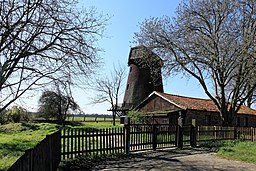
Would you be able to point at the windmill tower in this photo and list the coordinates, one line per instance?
(144, 76)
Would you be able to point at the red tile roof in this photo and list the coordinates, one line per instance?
(199, 104)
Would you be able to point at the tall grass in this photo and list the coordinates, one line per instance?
(239, 150)
(15, 138)
(234, 150)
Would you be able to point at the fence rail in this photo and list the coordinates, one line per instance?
(44, 156)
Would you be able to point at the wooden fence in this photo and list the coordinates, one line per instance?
(44, 156)
(208, 133)
(92, 141)
(140, 137)
(148, 137)
(245, 133)
(216, 133)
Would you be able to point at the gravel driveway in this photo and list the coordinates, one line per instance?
(190, 159)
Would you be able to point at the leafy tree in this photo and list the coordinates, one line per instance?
(212, 41)
(108, 89)
(55, 105)
(16, 114)
(43, 41)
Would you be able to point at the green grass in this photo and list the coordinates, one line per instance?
(239, 150)
(90, 119)
(91, 123)
(15, 138)
(98, 125)
(234, 150)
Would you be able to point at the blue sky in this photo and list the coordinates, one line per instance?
(125, 19)
(124, 22)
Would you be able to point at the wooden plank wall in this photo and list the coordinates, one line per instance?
(44, 156)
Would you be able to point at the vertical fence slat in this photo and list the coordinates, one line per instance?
(64, 143)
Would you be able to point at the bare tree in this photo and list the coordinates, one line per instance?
(108, 89)
(44, 41)
(213, 41)
(251, 100)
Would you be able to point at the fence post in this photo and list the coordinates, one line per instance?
(235, 133)
(179, 136)
(193, 133)
(215, 132)
(127, 137)
(154, 137)
(253, 135)
(251, 132)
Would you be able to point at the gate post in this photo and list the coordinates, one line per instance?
(235, 133)
(127, 136)
(193, 133)
(179, 133)
(154, 137)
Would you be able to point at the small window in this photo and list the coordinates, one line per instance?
(130, 69)
(246, 121)
(238, 123)
(127, 87)
(208, 120)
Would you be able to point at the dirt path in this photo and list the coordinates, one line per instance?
(191, 160)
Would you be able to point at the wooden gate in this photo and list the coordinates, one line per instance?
(151, 137)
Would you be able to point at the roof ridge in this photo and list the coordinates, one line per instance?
(184, 96)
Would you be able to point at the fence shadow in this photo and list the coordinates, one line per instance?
(170, 159)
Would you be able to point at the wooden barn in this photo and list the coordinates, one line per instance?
(166, 108)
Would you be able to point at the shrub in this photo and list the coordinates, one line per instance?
(136, 117)
(3, 117)
(16, 114)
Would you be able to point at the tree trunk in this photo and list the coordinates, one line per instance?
(114, 118)
(227, 117)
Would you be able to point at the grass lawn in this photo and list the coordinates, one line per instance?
(98, 125)
(15, 138)
(234, 150)
(91, 123)
(90, 119)
(239, 150)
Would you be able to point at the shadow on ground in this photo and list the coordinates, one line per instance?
(186, 159)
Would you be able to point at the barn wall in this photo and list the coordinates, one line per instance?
(246, 120)
(155, 103)
(203, 117)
